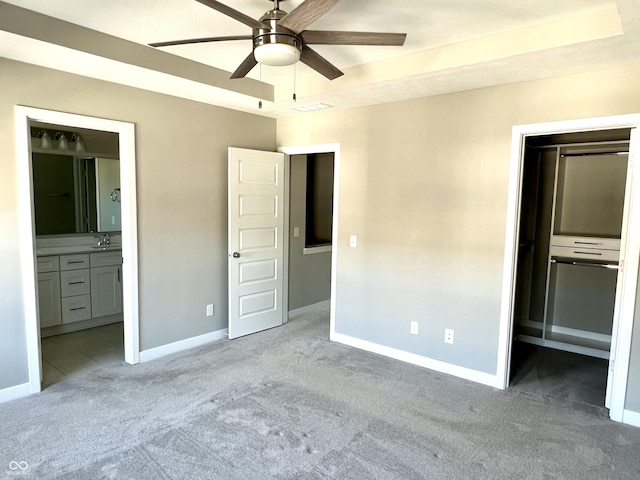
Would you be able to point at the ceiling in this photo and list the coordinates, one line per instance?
(452, 45)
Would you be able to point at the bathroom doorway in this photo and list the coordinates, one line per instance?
(25, 116)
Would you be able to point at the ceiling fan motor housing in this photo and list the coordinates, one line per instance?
(276, 46)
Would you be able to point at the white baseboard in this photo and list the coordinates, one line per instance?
(449, 369)
(12, 393)
(324, 305)
(631, 418)
(180, 346)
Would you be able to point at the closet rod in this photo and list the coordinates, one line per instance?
(592, 154)
(611, 266)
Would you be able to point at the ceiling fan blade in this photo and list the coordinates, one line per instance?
(245, 67)
(319, 64)
(200, 40)
(306, 13)
(322, 37)
(235, 14)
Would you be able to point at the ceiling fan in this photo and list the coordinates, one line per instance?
(280, 38)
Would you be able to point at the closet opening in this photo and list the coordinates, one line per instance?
(567, 278)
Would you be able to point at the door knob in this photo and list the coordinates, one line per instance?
(236, 255)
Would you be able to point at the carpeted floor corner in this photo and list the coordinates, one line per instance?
(288, 404)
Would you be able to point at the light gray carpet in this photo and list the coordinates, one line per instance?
(289, 404)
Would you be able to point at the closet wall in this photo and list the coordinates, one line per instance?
(569, 244)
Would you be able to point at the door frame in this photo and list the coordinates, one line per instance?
(630, 249)
(126, 135)
(305, 150)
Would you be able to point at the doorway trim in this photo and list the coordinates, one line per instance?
(630, 248)
(304, 150)
(126, 135)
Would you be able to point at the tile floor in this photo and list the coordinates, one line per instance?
(72, 353)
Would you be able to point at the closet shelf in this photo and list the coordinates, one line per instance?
(570, 343)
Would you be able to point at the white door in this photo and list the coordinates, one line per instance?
(626, 225)
(256, 241)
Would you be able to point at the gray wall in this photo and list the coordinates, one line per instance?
(181, 149)
(309, 275)
(423, 183)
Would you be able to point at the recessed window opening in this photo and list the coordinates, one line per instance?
(319, 205)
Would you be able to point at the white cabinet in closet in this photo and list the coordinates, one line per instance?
(572, 211)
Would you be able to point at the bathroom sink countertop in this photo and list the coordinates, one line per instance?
(69, 250)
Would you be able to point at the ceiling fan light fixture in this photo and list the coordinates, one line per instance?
(279, 37)
(276, 54)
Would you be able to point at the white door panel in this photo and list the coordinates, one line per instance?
(624, 237)
(256, 247)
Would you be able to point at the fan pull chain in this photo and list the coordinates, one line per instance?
(260, 101)
(294, 83)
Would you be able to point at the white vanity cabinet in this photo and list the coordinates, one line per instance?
(49, 291)
(106, 283)
(82, 287)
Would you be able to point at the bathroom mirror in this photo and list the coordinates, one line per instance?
(75, 190)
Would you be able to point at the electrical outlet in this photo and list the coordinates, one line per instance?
(448, 335)
(210, 310)
(414, 328)
(296, 232)
(353, 241)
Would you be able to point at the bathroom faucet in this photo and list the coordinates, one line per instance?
(105, 240)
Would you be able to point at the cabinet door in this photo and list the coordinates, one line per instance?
(106, 291)
(49, 299)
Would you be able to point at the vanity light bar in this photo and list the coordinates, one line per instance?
(311, 107)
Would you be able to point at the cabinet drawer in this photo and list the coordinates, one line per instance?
(74, 262)
(48, 264)
(104, 259)
(75, 309)
(585, 242)
(75, 282)
(585, 253)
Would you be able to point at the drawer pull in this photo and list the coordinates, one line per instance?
(587, 253)
(76, 261)
(587, 243)
(76, 309)
(76, 283)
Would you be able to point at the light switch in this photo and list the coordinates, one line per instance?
(353, 241)
(296, 232)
